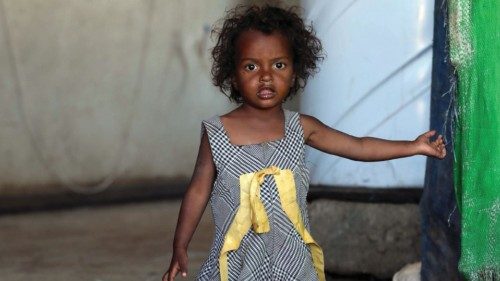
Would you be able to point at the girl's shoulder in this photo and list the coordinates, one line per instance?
(309, 124)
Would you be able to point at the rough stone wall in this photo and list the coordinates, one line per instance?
(366, 238)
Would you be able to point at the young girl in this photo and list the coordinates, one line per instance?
(251, 160)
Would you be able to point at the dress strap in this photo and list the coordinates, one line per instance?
(294, 127)
(222, 150)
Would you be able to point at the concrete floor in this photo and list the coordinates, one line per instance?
(121, 242)
(130, 242)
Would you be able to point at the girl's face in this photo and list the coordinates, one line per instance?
(264, 68)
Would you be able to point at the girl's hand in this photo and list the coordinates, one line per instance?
(427, 147)
(178, 264)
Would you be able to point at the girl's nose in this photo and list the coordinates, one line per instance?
(265, 76)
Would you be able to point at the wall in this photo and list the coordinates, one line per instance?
(100, 93)
(375, 81)
(94, 92)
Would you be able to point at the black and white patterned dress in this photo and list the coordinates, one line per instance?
(280, 253)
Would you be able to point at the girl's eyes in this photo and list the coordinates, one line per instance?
(250, 67)
(279, 65)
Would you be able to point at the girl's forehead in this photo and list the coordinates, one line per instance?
(257, 43)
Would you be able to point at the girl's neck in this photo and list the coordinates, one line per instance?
(267, 113)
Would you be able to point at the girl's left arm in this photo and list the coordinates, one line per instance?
(331, 141)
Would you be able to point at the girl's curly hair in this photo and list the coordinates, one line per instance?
(306, 47)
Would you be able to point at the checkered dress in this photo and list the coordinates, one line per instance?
(279, 254)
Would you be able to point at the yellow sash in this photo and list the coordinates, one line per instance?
(251, 213)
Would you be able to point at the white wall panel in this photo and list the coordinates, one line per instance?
(375, 81)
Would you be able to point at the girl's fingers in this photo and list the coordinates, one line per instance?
(437, 147)
(439, 141)
(171, 274)
(442, 151)
(429, 134)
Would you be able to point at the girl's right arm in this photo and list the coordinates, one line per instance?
(192, 208)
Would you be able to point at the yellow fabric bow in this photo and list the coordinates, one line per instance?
(251, 213)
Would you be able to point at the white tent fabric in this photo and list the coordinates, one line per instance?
(375, 81)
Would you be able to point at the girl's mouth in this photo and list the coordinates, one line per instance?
(266, 93)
